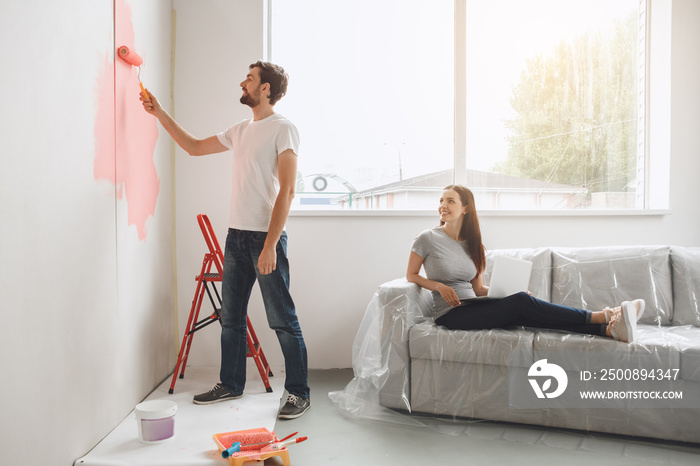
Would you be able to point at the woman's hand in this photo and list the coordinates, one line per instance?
(448, 294)
(415, 262)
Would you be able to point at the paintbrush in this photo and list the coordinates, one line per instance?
(281, 444)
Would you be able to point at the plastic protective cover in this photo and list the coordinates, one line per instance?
(410, 371)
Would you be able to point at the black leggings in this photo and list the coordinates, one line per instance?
(516, 310)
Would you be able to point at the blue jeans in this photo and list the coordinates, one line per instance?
(516, 310)
(240, 272)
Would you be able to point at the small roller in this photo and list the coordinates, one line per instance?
(133, 59)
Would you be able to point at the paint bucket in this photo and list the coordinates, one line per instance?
(156, 420)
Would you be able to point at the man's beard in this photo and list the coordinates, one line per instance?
(249, 100)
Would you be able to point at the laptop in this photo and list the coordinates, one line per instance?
(509, 276)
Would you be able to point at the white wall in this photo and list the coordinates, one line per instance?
(87, 306)
(337, 261)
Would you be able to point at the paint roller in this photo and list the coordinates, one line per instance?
(133, 59)
(247, 441)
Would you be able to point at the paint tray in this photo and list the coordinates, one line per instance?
(226, 439)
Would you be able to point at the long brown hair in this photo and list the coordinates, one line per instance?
(471, 231)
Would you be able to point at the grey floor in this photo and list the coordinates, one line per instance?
(338, 438)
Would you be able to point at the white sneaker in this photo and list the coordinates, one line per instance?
(637, 305)
(623, 326)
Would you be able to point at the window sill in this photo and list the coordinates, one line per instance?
(482, 213)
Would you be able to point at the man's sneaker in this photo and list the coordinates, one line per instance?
(216, 394)
(294, 407)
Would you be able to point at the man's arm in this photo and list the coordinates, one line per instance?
(182, 137)
(287, 174)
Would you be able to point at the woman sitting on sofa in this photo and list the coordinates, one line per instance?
(454, 260)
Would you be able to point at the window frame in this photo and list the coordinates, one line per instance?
(656, 170)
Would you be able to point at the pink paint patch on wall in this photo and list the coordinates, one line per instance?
(125, 135)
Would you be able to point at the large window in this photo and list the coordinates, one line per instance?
(534, 104)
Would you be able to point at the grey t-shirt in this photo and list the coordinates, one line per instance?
(445, 260)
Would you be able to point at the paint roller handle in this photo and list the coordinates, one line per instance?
(144, 91)
(235, 447)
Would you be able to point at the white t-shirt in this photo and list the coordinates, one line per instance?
(445, 260)
(255, 146)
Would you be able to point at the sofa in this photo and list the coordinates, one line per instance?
(404, 362)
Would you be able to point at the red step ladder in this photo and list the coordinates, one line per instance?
(207, 277)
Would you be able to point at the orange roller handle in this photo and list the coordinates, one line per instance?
(145, 92)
